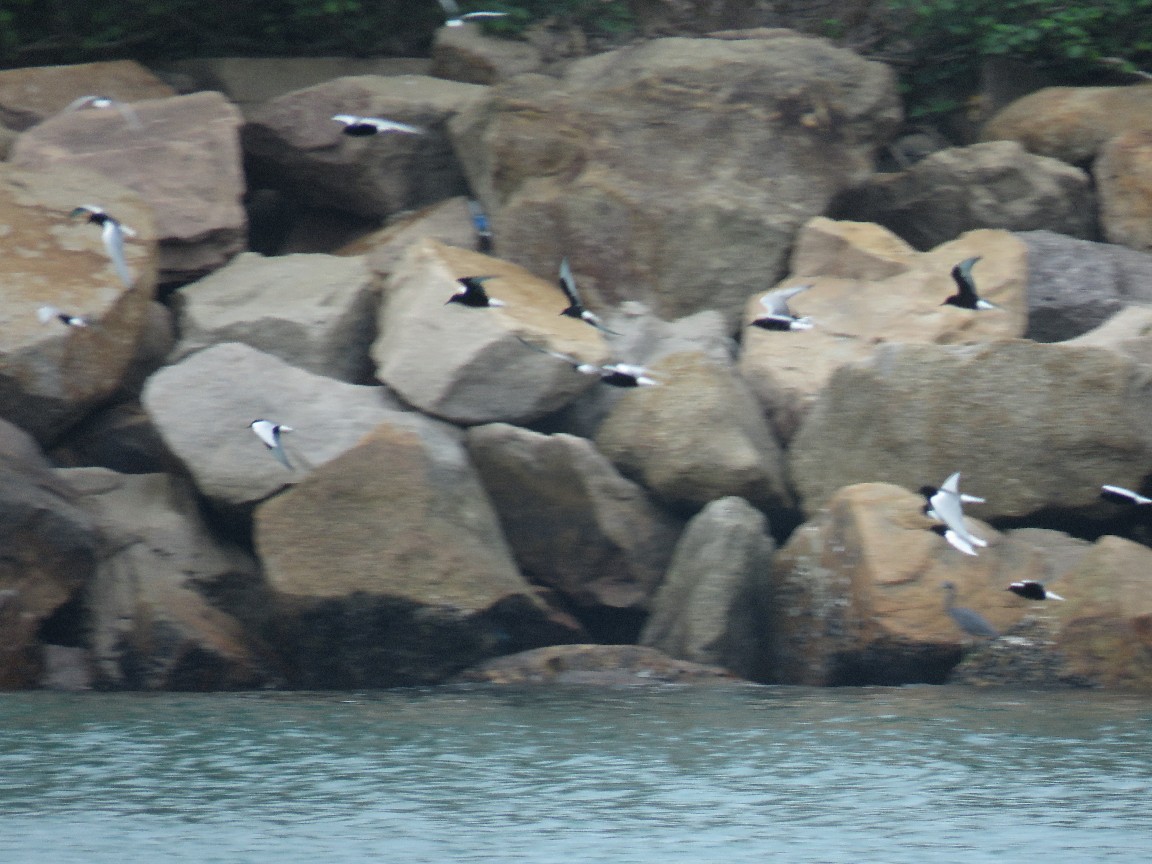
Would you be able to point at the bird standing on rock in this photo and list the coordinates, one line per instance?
(575, 306)
(471, 293)
(777, 315)
(112, 232)
(968, 620)
(480, 225)
(966, 296)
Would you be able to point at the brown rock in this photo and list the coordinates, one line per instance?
(696, 437)
(50, 374)
(446, 221)
(296, 137)
(184, 162)
(30, 95)
(389, 567)
(1072, 123)
(591, 664)
(466, 54)
(572, 522)
(855, 594)
(1123, 173)
(677, 171)
(869, 290)
(1031, 426)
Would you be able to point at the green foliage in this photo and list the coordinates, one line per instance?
(946, 41)
(34, 32)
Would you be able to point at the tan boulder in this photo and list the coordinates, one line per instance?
(675, 171)
(185, 163)
(465, 364)
(1031, 426)
(33, 94)
(51, 548)
(870, 289)
(1123, 174)
(51, 374)
(374, 176)
(149, 627)
(446, 221)
(855, 595)
(698, 436)
(317, 312)
(1072, 123)
(572, 522)
(388, 566)
(466, 54)
(709, 608)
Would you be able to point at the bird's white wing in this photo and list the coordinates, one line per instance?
(959, 542)
(946, 505)
(383, 125)
(47, 313)
(113, 235)
(475, 16)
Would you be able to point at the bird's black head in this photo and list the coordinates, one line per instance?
(928, 491)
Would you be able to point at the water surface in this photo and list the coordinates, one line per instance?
(575, 775)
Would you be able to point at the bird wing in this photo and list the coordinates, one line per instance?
(946, 505)
(473, 16)
(568, 284)
(1114, 492)
(959, 542)
(383, 125)
(558, 355)
(113, 236)
(776, 302)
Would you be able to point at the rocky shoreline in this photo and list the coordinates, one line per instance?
(454, 505)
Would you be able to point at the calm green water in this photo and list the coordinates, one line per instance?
(729, 774)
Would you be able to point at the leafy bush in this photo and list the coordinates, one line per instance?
(944, 42)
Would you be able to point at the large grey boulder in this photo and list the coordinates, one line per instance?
(202, 407)
(51, 374)
(992, 185)
(149, 626)
(50, 548)
(572, 522)
(296, 137)
(317, 312)
(466, 365)
(675, 171)
(387, 566)
(184, 162)
(1030, 426)
(710, 606)
(35, 93)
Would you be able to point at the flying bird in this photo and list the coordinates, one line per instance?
(49, 313)
(777, 315)
(968, 620)
(612, 374)
(455, 19)
(966, 297)
(1030, 589)
(1119, 495)
(481, 226)
(575, 306)
(269, 434)
(471, 293)
(104, 102)
(112, 232)
(362, 127)
(945, 505)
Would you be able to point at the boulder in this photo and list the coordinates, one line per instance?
(992, 185)
(465, 364)
(1072, 123)
(316, 312)
(120, 437)
(709, 609)
(388, 566)
(675, 171)
(296, 138)
(870, 289)
(1100, 636)
(33, 94)
(446, 221)
(1129, 332)
(51, 374)
(203, 405)
(148, 625)
(1077, 285)
(50, 548)
(572, 522)
(184, 162)
(1031, 426)
(466, 54)
(597, 665)
(855, 594)
(698, 436)
(1123, 174)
